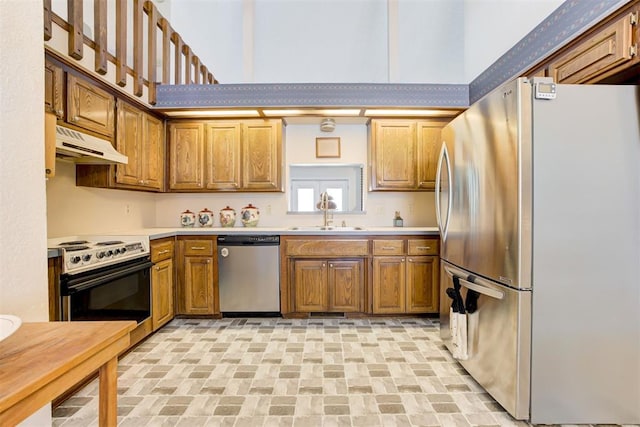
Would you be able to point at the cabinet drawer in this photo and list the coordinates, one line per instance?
(328, 247)
(388, 247)
(423, 247)
(198, 247)
(161, 251)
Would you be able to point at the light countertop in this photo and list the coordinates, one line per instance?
(157, 233)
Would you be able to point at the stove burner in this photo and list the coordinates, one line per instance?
(73, 243)
(110, 242)
(75, 248)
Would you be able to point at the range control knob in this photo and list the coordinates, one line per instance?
(101, 255)
(123, 250)
(75, 259)
(109, 252)
(86, 257)
(116, 251)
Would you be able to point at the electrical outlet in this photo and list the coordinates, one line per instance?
(410, 208)
(268, 209)
(127, 209)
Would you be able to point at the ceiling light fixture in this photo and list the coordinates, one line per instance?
(327, 125)
(406, 112)
(310, 112)
(213, 113)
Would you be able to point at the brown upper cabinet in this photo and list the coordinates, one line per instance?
(242, 155)
(600, 54)
(54, 90)
(90, 107)
(140, 138)
(403, 154)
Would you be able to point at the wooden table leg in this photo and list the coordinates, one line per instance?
(108, 410)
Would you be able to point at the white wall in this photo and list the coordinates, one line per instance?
(492, 27)
(75, 210)
(23, 263)
(324, 41)
(331, 41)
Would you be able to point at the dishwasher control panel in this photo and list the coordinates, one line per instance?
(237, 240)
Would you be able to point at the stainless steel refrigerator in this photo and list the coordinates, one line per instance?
(538, 205)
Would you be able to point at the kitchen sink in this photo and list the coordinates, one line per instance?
(328, 228)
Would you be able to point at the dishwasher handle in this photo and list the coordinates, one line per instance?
(224, 252)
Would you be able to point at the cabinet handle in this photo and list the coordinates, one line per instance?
(330, 265)
(423, 248)
(208, 261)
(388, 248)
(402, 259)
(324, 265)
(198, 248)
(166, 251)
(59, 113)
(410, 260)
(140, 181)
(75, 118)
(157, 268)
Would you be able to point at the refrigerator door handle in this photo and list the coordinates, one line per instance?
(443, 160)
(474, 283)
(490, 292)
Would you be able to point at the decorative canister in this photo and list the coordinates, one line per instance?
(250, 215)
(227, 217)
(187, 218)
(205, 218)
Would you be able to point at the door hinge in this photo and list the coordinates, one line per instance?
(633, 50)
(633, 18)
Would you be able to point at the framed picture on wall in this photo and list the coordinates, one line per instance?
(327, 147)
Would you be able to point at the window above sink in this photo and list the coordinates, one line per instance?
(343, 181)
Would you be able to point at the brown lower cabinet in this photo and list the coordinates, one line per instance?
(162, 282)
(328, 285)
(405, 276)
(197, 290)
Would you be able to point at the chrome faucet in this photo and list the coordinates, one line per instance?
(326, 203)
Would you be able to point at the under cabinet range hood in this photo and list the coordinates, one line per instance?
(84, 148)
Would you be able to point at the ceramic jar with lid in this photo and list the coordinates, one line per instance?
(227, 217)
(205, 218)
(187, 218)
(250, 215)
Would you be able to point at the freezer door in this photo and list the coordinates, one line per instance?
(498, 337)
(488, 202)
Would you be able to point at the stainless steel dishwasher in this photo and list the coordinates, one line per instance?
(249, 274)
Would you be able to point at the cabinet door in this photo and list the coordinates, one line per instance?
(152, 148)
(128, 141)
(345, 285)
(388, 284)
(186, 153)
(223, 156)
(89, 106)
(608, 49)
(198, 285)
(261, 155)
(422, 284)
(393, 157)
(428, 149)
(162, 286)
(310, 285)
(53, 90)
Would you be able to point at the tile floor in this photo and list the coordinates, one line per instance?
(291, 372)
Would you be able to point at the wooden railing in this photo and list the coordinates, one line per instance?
(186, 66)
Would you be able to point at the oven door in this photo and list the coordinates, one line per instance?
(117, 292)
